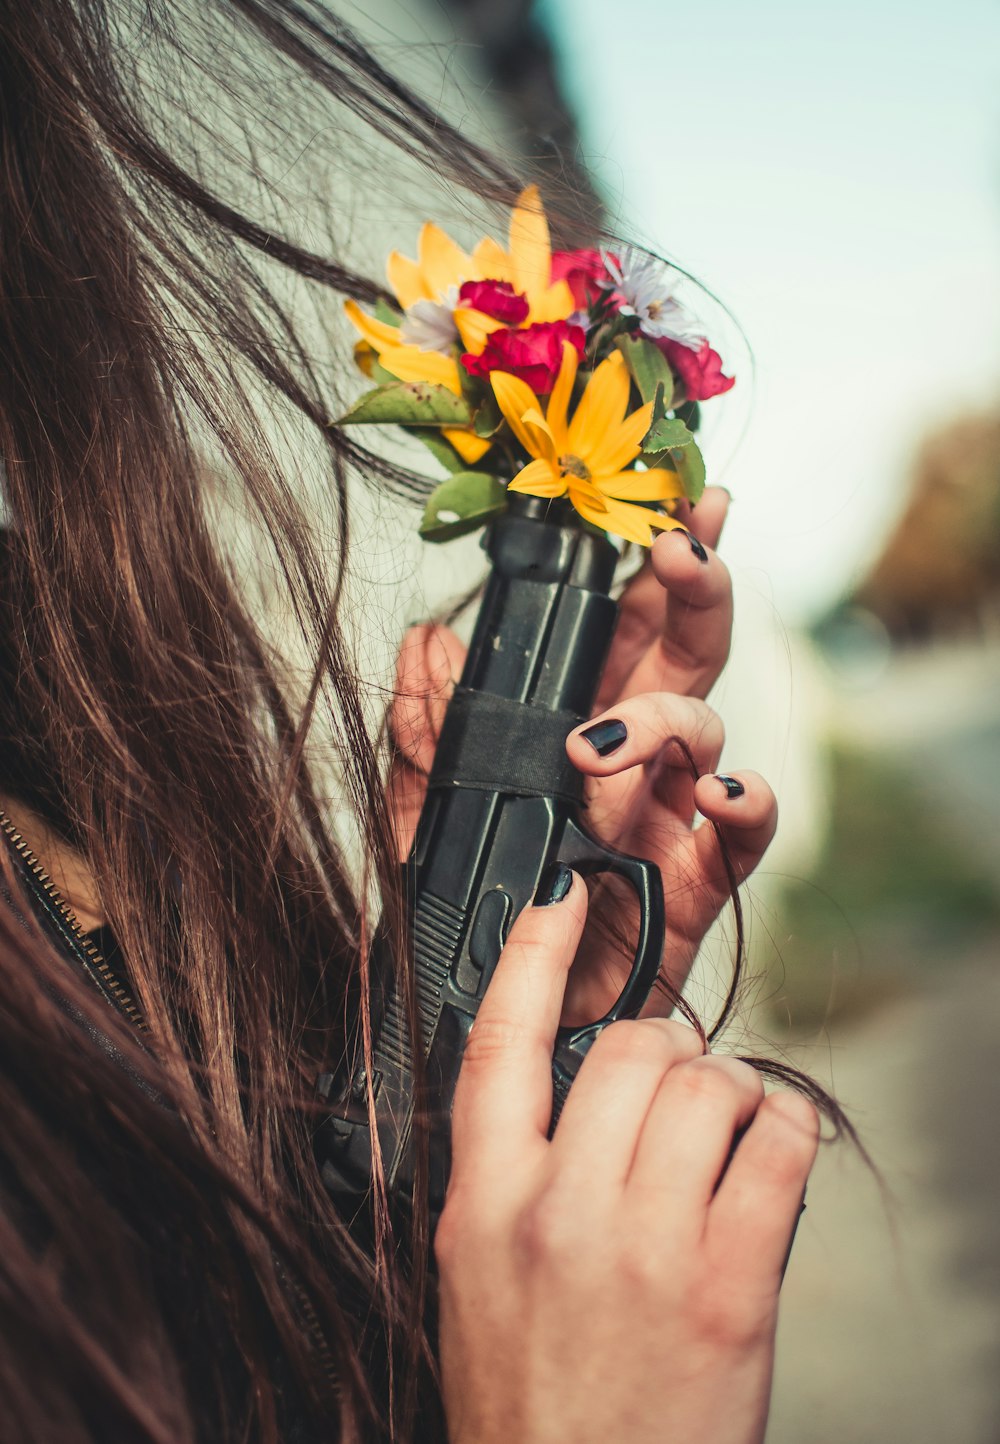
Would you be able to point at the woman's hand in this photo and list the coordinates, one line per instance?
(671, 643)
(621, 1281)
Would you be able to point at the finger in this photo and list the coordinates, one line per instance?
(707, 519)
(606, 1108)
(696, 895)
(430, 662)
(746, 810)
(689, 1130)
(696, 887)
(754, 1213)
(694, 644)
(638, 739)
(675, 616)
(503, 1100)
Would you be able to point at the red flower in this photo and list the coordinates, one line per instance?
(534, 353)
(497, 299)
(700, 372)
(584, 271)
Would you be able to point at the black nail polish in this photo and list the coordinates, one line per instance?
(733, 788)
(795, 1229)
(555, 883)
(605, 737)
(697, 547)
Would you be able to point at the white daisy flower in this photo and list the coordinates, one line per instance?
(431, 324)
(648, 288)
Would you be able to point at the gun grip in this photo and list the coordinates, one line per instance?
(580, 850)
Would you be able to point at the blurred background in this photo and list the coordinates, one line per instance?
(831, 173)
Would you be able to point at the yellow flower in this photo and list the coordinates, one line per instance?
(410, 363)
(441, 265)
(439, 270)
(585, 458)
(526, 266)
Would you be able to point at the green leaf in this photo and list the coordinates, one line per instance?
(439, 448)
(461, 504)
(388, 314)
(690, 466)
(650, 459)
(668, 442)
(647, 366)
(408, 403)
(666, 434)
(487, 420)
(687, 461)
(380, 375)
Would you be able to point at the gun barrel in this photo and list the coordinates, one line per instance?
(546, 619)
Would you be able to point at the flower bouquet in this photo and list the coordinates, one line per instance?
(566, 374)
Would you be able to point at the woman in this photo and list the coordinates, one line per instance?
(170, 1266)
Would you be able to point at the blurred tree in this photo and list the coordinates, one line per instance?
(939, 574)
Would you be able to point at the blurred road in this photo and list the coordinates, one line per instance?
(891, 1321)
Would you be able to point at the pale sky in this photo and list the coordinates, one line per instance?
(833, 173)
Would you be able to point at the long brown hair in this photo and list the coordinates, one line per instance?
(145, 715)
(171, 1269)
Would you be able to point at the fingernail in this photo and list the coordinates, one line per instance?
(556, 881)
(606, 737)
(733, 788)
(697, 547)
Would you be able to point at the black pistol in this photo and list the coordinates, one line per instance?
(502, 804)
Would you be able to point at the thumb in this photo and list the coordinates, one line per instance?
(503, 1101)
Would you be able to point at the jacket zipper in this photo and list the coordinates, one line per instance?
(67, 926)
(97, 969)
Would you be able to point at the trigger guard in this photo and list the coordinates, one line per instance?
(590, 856)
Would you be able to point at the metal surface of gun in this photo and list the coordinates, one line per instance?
(502, 804)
